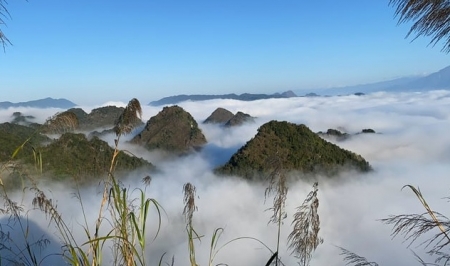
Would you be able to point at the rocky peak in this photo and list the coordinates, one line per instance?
(172, 129)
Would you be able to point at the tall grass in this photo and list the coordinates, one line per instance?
(430, 228)
(418, 226)
(278, 188)
(304, 238)
(126, 221)
(189, 192)
(16, 212)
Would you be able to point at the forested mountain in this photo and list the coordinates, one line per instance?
(289, 147)
(173, 130)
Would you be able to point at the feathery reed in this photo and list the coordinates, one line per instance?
(354, 259)
(189, 192)
(304, 238)
(277, 185)
(61, 123)
(413, 226)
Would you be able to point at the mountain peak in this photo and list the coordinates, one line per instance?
(296, 147)
(172, 129)
(41, 103)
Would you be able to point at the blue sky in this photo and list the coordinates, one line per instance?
(95, 51)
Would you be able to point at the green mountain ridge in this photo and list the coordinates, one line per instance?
(173, 130)
(102, 117)
(203, 97)
(227, 118)
(293, 146)
(12, 136)
(74, 155)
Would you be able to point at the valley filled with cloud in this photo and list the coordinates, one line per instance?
(411, 146)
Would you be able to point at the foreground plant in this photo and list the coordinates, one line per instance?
(430, 18)
(128, 221)
(15, 210)
(414, 226)
(189, 192)
(3, 13)
(354, 259)
(277, 187)
(304, 238)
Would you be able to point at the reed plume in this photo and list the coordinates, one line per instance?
(189, 192)
(129, 118)
(354, 259)
(61, 123)
(304, 238)
(414, 226)
(277, 187)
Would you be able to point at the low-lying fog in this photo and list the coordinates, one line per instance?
(412, 147)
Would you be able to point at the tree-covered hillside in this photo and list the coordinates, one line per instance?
(294, 147)
(172, 129)
(75, 155)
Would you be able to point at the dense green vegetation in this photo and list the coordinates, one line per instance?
(74, 155)
(173, 129)
(293, 146)
(102, 117)
(12, 136)
(63, 158)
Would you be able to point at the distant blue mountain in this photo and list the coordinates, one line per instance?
(42, 103)
(202, 97)
(435, 81)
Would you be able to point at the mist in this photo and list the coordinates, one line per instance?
(411, 146)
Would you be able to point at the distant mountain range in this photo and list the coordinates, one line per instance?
(201, 97)
(42, 103)
(435, 81)
(439, 80)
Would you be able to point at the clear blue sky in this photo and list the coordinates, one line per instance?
(95, 51)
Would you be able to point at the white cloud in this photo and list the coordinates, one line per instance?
(412, 147)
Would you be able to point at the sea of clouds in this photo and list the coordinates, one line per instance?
(412, 146)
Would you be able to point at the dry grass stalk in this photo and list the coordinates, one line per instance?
(147, 180)
(61, 123)
(11, 207)
(353, 259)
(49, 208)
(278, 187)
(413, 226)
(123, 125)
(304, 238)
(129, 117)
(189, 192)
(430, 18)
